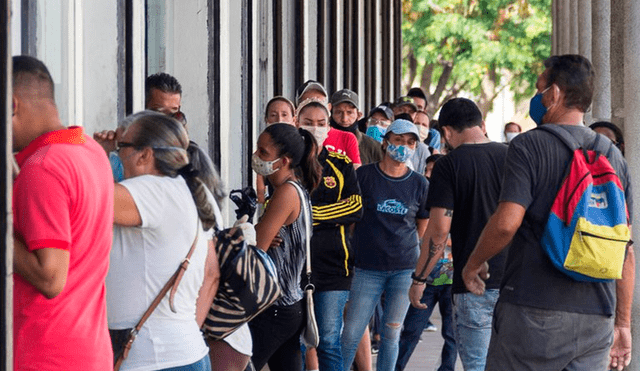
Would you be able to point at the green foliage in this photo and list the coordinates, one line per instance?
(481, 40)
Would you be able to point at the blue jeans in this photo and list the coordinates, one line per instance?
(416, 321)
(366, 288)
(329, 309)
(473, 315)
(202, 365)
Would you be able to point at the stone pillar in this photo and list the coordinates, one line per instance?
(565, 26)
(574, 28)
(632, 132)
(584, 40)
(601, 41)
(617, 62)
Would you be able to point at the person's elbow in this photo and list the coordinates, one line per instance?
(507, 219)
(52, 286)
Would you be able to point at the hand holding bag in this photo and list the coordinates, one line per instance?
(310, 334)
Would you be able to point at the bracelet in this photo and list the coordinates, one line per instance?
(418, 279)
(417, 283)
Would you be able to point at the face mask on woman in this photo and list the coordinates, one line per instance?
(320, 133)
(510, 136)
(262, 167)
(399, 153)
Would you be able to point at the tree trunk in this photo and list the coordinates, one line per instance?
(413, 70)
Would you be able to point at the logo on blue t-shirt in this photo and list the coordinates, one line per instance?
(393, 207)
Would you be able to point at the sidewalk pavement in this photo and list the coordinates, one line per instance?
(426, 356)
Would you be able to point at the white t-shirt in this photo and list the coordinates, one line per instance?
(142, 261)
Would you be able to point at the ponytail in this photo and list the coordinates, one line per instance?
(169, 141)
(300, 146)
(309, 165)
(200, 194)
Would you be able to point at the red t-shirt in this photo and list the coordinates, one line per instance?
(344, 143)
(63, 199)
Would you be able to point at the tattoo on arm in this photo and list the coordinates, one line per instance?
(434, 250)
(448, 213)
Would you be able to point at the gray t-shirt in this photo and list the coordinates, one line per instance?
(536, 166)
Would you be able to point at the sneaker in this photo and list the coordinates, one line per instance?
(431, 328)
(374, 347)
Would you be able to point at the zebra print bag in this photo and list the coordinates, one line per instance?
(248, 284)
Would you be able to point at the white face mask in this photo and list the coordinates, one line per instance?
(320, 133)
(510, 136)
(262, 167)
(424, 132)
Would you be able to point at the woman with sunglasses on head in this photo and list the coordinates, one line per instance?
(162, 209)
(285, 155)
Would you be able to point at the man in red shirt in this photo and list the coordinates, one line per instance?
(63, 215)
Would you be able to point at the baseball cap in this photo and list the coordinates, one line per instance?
(309, 85)
(404, 101)
(417, 92)
(385, 110)
(344, 95)
(401, 126)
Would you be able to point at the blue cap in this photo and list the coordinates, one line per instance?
(401, 126)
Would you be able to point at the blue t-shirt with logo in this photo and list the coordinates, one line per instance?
(387, 238)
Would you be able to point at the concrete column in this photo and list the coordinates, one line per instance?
(632, 132)
(584, 29)
(584, 40)
(565, 27)
(575, 32)
(601, 41)
(618, 76)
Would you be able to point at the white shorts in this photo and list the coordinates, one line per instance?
(240, 340)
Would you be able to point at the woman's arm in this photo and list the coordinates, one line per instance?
(283, 209)
(209, 285)
(125, 210)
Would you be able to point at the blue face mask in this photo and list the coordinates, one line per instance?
(537, 110)
(399, 153)
(116, 166)
(376, 132)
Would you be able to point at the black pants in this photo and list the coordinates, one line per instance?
(276, 338)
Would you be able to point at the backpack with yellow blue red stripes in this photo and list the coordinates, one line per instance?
(587, 231)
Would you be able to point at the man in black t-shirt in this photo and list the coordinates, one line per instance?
(465, 185)
(545, 319)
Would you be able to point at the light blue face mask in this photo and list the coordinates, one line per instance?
(399, 153)
(537, 110)
(376, 132)
(116, 166)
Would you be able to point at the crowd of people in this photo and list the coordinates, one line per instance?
(401, 212)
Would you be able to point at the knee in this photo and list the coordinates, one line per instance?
(392, 330)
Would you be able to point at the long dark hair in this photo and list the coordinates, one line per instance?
(301, 147)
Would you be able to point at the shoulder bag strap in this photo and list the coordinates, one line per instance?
(172, 285)
(304, 208)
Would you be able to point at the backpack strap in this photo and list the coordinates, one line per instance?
(563, 134)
